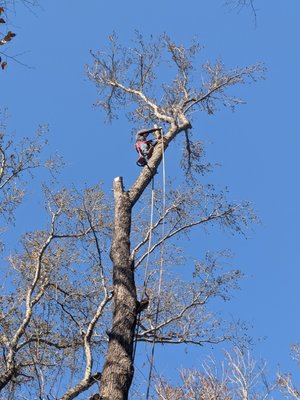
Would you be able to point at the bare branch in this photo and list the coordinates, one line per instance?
(218, 80)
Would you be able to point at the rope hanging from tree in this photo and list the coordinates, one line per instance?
(144, 293)
(160, 269)
(144, 288)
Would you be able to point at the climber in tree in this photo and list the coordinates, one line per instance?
(145, 147)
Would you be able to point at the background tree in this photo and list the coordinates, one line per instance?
(238, 377)
(285, 381)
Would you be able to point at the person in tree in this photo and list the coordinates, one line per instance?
(145, 147)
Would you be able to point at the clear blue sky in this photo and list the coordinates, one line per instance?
(258, 146)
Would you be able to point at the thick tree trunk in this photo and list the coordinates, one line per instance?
(117, 372)
(118, 367)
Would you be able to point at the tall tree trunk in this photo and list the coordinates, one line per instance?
(117, 372)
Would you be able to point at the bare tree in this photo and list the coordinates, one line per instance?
(18, 160)
(285, 381)
(35, 345)
(127, 77)
(238, 377)
(50, 288)
(69, 316)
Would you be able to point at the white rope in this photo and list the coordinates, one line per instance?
(147, 262)
(150, 239)
(160, 269)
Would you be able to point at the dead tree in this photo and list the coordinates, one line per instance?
(285, 381)
(68, 304)
(238, 377)
(127, 76)
(52, 315)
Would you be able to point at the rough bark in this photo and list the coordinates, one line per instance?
(7, 377)
(118, 367)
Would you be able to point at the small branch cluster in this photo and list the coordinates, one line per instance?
(239, 377)
(285, 381)
(6, 38)
(17, 161)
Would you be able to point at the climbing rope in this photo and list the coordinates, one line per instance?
(150, 239)
(147, 267)
(160, 269)
(147, 263)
